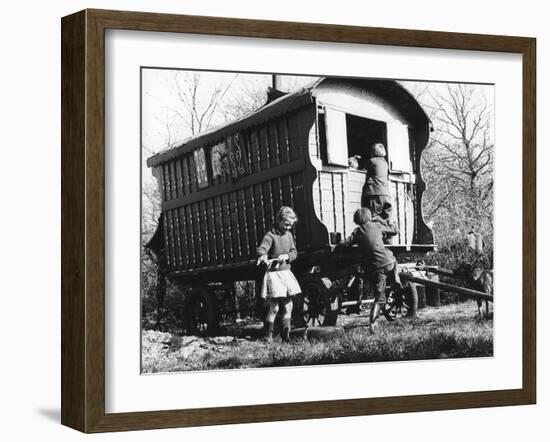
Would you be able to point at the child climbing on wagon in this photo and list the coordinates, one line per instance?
(379, 262)
(276, 252)
(376, 195)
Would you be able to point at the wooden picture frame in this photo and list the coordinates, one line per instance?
(83, 220)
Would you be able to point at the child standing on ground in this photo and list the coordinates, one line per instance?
(277, 251)
(376, 195)
(379, 262)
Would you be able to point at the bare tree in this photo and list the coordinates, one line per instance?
(252, 95)
(247, 98)
(151, 208)
(197, 110)
(458, 163)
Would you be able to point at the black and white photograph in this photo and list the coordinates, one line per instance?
(305, 220)
(249, 221)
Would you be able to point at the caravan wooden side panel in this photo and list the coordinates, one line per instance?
(205, 232)
(244, 241)
(303, 233)
(176, 237)
(228, 246)
(172, 248)
(409, 210)
(235, 229)
(186, 176)
(252, 229)
(339, 201)
(272, 144)
(218, 218)
(183, 237)
(313, 141)
(213, 240)
(179, 178)
(190, 238)
(336, 196)
(403, 212)
(282, 139)
(228, 228)
(225, 227)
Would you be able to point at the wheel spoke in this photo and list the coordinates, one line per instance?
(314, 302)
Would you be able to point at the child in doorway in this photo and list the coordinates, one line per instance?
(276, 251)
(379, 262)
(376, 195)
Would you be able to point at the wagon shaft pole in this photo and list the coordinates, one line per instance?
(451, 288)
(437, 270)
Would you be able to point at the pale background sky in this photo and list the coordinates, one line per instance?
(160, 98)
(162, 126)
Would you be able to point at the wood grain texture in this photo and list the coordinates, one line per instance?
(145, 21)
(95, 222)
(529, 221)
(72, 222)
(83, 218)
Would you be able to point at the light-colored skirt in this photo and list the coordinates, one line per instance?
(280, 284)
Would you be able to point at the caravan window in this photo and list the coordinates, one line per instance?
(346, 139)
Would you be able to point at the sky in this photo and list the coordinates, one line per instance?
(162, 109)
(160, 99)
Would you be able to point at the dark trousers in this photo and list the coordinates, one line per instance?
(379, 279)
(379, 205)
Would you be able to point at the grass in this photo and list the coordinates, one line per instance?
(447, 332)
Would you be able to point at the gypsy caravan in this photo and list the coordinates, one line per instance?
(221, 189)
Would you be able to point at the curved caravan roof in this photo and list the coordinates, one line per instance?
(390, 90)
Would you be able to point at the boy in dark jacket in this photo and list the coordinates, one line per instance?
(379, 262)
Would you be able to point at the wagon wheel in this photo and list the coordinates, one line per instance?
(313, 306)
(201, 312)
(401, 302)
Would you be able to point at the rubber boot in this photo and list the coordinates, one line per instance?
(268, 331)
(285, 334)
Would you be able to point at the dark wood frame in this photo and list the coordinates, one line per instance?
(83, 216)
